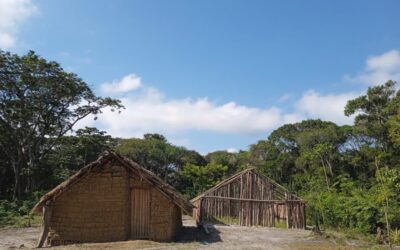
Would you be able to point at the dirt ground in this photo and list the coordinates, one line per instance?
(221, 238)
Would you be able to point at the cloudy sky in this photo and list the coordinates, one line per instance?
(213, 75)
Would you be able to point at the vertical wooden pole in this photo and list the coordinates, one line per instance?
(229, 201)
(199, 210)
(304, 216)
(47, 210)
(241, 203)
(129, 205)
(273, 214)
(251, 197)
(287, 211)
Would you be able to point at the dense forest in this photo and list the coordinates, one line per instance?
(349, 175)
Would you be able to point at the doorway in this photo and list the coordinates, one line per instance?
(140, 213)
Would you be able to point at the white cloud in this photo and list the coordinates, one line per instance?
(379, 69)
(12, 14)
(152, 112)
(232, 150)
(180, 141)
(148, 110)
(388, 62)
(326, 107)
(124, 85)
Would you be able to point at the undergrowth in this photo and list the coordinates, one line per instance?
(18, 213)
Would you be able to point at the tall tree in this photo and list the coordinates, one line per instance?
(70, 154)
(39, 101)
(373, 112)
(155, 153)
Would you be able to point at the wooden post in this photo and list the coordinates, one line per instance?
(47, 209)
(229, 201)
(304, 216)
(199, 214)
(288, 215)
(288, 212)
(129, 208)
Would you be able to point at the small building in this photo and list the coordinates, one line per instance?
(249, 198)
(111, 199)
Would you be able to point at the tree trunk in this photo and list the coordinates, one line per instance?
(386, 205)
(330, 167)
(326, 174)
(17, 181)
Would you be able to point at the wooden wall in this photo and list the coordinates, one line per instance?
(249, 199)
(165, 219)
(93, 210)
(98, 209)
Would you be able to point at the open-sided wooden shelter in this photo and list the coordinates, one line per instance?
(111, 199)
(249, 198)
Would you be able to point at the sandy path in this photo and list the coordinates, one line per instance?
(221, 238)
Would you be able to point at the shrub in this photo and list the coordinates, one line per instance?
(17, 213)
(395, 236)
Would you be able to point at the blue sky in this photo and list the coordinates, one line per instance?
(213, 75)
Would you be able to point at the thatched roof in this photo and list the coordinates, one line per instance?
(131, 166)
(234, 177)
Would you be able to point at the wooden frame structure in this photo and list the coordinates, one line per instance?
(111, 199)
(249, 198)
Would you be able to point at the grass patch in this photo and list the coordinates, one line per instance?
(21, 220)
(280, 223)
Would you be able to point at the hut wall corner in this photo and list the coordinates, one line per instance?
(92, 210)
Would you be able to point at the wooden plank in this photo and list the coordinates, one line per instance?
(47, 211)
(140, 213)
(244, 199)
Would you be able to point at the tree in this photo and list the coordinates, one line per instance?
(39, 101)
(374, 111)
(155, 153)
(70, 154)
(224, 158)
(198, 179)
(303, 148)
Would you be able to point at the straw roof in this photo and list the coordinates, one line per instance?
(131, 166)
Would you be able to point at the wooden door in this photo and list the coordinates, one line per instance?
(140, 213)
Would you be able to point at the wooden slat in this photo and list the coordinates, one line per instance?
(243, 199)
(140, 218)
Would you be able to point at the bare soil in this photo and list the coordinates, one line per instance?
(221, 238)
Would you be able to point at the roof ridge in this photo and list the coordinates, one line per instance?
(169, 191)
(232, 177)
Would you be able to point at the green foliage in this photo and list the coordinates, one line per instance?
(200, 178)
(349, 175)
(39, 103)
(155, 153)
(70, 153)
(395, 236)
(18, 212)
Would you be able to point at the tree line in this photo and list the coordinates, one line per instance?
(349, 175)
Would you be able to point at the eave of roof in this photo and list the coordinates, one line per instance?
(108, 155)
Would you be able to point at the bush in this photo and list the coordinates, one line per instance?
(345, 211)
(395, 236)
(18, 213)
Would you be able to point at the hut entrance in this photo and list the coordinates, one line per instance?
(140, 213)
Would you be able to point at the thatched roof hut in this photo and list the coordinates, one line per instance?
(249, 198)
(111, 199)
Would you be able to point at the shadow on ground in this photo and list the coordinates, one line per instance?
(197, 234)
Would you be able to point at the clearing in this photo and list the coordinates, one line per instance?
(222, 237)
